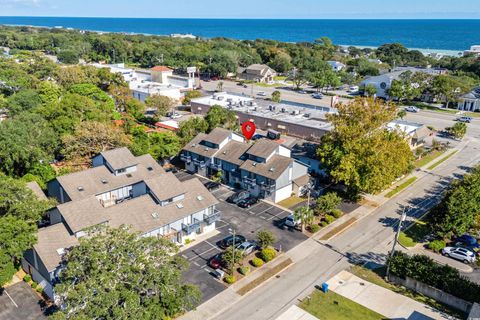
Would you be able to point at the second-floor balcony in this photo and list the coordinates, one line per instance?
(216, 166)
(269, 187)
(200, 163)
(212, 217)
(191, 227)
(185, 158)
(250, 181)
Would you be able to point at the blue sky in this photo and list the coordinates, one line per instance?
(423, 9)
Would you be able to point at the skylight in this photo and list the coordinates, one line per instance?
(200, 198)
(179, 205)
(155, 215)
(80, 188)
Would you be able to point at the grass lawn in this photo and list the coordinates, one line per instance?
(401, 187)
(333, 306)
(433, 166)
(377, 277)
(338, 229)
(414, 234)
(428, 158)
(290, 202)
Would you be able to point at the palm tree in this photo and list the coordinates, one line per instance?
(305, 215)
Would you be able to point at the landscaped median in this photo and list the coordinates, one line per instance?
(400, 187)
(436, 164)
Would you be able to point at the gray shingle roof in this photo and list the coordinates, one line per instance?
(273, 169)
(195, 146)
(232, 152)
(165, 186)
(37, 190)
(119, 158)
(217, 135)
(263, 148)
(51, 239)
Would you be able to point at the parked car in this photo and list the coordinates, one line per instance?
(216, 261)
(469, 242)
(246, 247)
(412, 109)
(214, 78)
(228, 241)
(245, 86)
(236, 197)
(317, 95)
(302, 92)
(291, 221)
(261, 94)
(212, 185)
(465, 119)
(247, 203)
(258, 136)
(461, 254)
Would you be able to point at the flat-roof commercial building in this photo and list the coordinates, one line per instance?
(120, 189)
(294, 119)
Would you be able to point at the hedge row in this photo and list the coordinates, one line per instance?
(445, 278)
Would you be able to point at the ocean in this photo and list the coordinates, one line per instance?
(450, 36)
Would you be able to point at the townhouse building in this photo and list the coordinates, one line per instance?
(120, 189)
(264, 167)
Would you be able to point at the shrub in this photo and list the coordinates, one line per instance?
(337, 213)
(265, 238)
(314, 228)
(437, 245)
(257, 262)
(39, 289)
(244, 270)
(34, 284)
(323, 224)
(329, 218)
(230, 279)
(27, 278)
(268, 254)
(443, 277)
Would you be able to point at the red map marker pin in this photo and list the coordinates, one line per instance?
(248, 129)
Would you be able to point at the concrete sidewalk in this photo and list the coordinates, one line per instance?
(388, 303)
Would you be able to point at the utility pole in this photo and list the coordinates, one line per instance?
(233, 251)
(402, 219)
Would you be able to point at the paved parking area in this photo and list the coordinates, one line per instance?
(19, 302)
(246, 222)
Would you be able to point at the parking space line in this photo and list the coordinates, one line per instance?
(266, 210)
(278, 215)
(13, 301)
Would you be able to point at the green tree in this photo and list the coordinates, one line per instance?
(163, 145)
(191, 95)
(20, 210)
(218, 116)
(26, 140)
(265, 238)
(276, 96)
(191, 128)
(68, 56)
(370, 90)
(305, 215)
(459, 130)
(326, 203)
(450, 88)
(23, 100)
(359, 152)
(402, 114)
(231, 257)
(161, 104)
(116, 273)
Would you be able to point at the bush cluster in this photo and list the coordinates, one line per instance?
(337, 213)
(443, 277)
(329, 219)
(257, 262)
(314, 228)
(244, 270)
(437, 245)
(27, 278)
(230, 279)
(268, 254)
(34, 284)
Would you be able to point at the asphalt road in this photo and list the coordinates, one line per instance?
(367, 241)
(19, 302)
(286, 94)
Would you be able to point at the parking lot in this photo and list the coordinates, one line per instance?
(246, 222)
(20, 302)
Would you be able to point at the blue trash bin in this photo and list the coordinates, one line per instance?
(325, 287)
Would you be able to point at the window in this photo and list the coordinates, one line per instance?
(121, 170)
(281, 127)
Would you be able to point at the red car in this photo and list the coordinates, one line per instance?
(214, 78)
(216, 261)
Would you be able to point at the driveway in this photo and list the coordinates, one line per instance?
(19, 302)
(246, 222)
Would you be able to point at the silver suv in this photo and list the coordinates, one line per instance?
(461, 254)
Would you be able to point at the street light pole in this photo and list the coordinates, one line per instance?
(402, 219)
(233, 251)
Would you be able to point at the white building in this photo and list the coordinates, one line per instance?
(336, 65)
(474, 50)
(159, 80)
(414, 133)
(470, 101)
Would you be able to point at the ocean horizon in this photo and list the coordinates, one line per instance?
(450, 36)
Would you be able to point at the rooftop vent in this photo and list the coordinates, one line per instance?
(80, 188)
(200, 198)
(155, 215)
(224, 152)
(104, 181)
(149, 168)
(206, 148)
(194, 145)
(129, 175)
(179, 205)
(60, 251)
(254, 164)
(272, 169)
